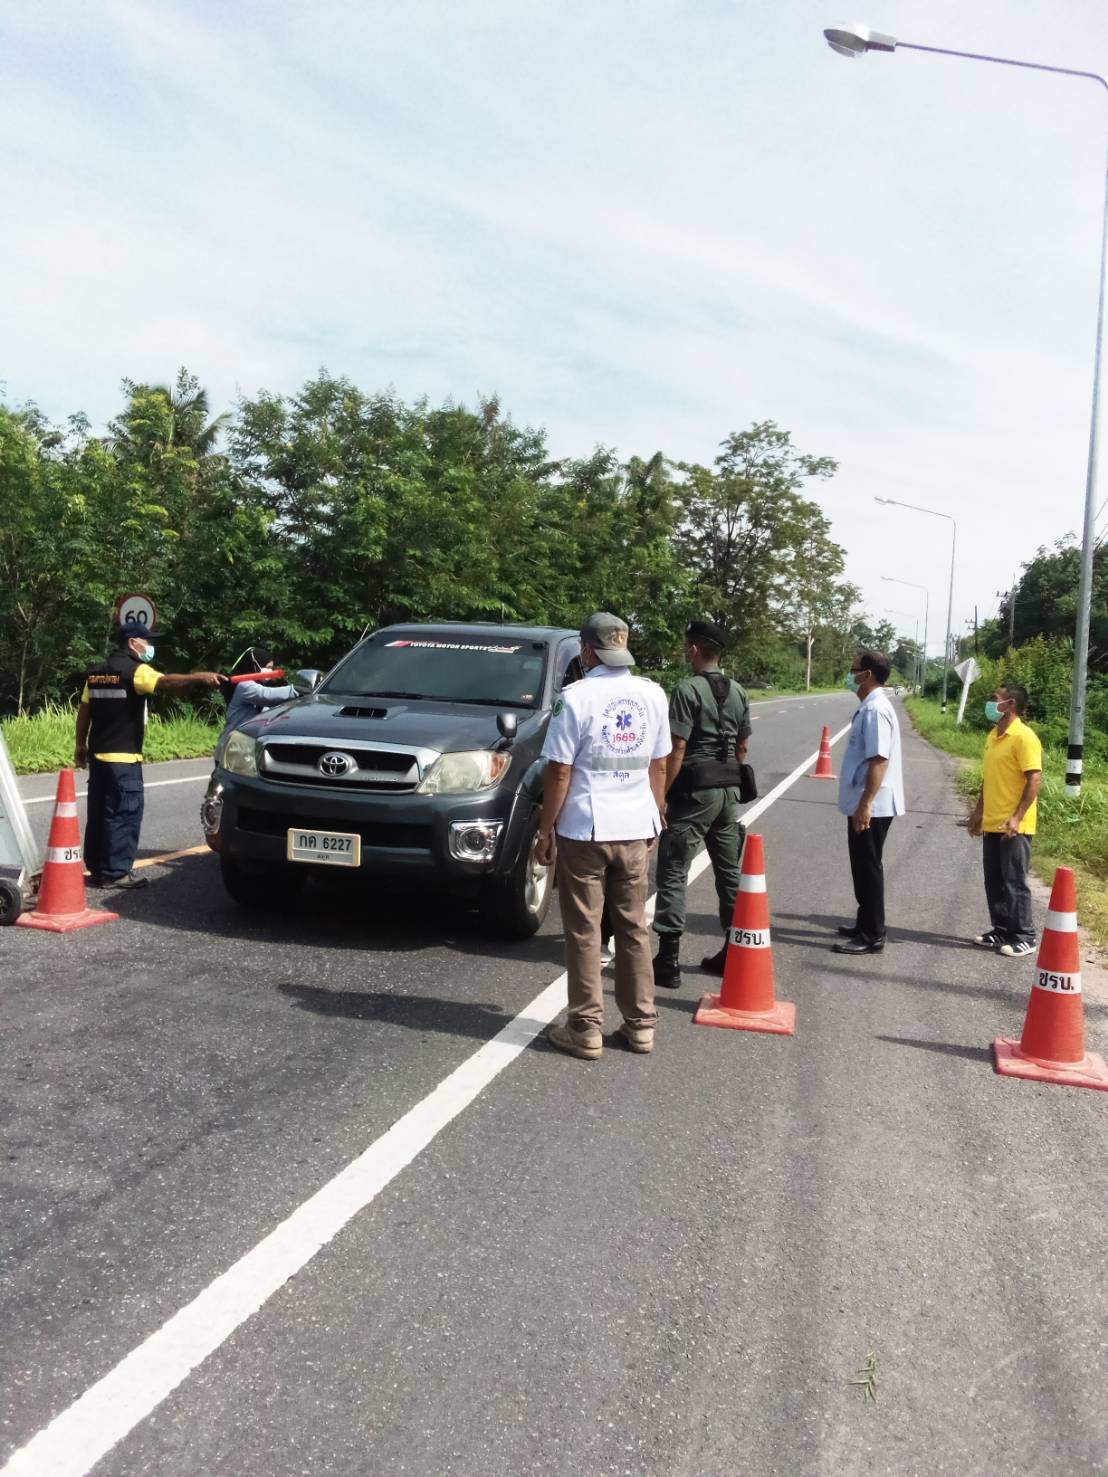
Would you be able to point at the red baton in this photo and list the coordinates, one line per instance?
(273, 676)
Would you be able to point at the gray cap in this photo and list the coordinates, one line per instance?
(607, 635)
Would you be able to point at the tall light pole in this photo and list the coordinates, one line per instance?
(856, 41)
(934, 512)
(889, 579)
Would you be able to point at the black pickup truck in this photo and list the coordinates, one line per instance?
(415, 760)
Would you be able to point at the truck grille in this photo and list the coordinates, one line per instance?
(343, 765)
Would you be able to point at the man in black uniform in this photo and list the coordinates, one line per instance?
(709, 720)
(111, 727)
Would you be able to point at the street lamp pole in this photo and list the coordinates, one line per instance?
(856, 41)
(934, 512)
(890, 579)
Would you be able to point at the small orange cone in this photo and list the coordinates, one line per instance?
(823, 770)
(62, 906)
(746, 1001)
(1052, 1047)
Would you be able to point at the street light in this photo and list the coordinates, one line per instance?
(889, 579)
(854, 41)
(934, 512)
(909, 615)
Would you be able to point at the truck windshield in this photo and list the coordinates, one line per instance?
(444, 668)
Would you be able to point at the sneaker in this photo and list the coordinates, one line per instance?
(127, 883)
(607, 953)
(1016, 950)
(588, 1045)
(636, 1038)
(990, 939)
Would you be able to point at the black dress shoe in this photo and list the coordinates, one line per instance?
(849, 930)
(715, 963)
(859, 945)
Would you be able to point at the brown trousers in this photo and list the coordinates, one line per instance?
(590, 873)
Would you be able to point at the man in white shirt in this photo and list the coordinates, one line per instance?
(871, 793)
(603, 791)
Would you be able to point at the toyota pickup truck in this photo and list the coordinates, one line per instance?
(415, 760)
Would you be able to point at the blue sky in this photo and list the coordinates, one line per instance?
(644, 225)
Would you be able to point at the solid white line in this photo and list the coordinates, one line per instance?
(77, 1438)
(189, 779)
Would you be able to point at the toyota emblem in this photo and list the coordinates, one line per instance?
(334, 765)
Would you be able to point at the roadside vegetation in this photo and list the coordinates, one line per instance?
(43, 742)
(1071, 832)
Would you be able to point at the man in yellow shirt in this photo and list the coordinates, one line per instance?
(111, 723)
(1005, 816)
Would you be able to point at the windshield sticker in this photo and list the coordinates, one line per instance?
(455, 646)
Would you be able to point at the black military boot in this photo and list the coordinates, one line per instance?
(714, 963)
(667, 962)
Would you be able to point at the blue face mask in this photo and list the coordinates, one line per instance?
(148, 654)
(850, 682)
(992, 712)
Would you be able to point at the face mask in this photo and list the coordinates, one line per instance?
(148, 654)
(850, 682)
(992, 712)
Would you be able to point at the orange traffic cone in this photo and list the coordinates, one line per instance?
(1052, 1047)
(746, 1001)
(823, 770)
(62, 906)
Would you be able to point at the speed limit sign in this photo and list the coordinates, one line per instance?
(140, 608)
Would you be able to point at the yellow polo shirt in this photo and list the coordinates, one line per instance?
(146, 680)
(1009, 758)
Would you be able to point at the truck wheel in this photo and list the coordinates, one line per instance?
(11, 901)
(256, 885)
(516, 905)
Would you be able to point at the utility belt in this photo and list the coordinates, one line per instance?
(715, 774)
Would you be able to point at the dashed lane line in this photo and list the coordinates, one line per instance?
(81, 1435)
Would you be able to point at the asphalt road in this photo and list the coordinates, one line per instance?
(672, 1264)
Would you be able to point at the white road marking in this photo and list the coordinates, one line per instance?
(189, 779)
(81, 1435)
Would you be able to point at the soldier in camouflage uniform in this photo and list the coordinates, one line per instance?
(709, 720)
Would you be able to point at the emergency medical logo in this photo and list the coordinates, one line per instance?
(623, 729)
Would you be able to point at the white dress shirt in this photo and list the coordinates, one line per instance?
(609, 727)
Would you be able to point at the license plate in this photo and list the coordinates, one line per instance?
(329, 848)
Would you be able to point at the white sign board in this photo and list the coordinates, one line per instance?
(969, 672)
(139, 608)
(18, 851)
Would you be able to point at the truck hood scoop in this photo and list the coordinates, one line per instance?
(356, 712)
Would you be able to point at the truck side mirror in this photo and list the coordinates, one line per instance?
(306, 681)
(508, 725)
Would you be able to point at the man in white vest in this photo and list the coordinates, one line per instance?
(603, 792)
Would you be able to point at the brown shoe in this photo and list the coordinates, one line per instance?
(588, 1045)
(636, 1038)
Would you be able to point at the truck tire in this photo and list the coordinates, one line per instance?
(11, 901)
(258, 884)
(515, 906)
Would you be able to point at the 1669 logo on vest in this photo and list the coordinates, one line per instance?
(623, 729)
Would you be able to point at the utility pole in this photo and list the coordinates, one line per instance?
(975, 648)
(1012, 615)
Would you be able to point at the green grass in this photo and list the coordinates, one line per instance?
(44, 742)
(1071, 833)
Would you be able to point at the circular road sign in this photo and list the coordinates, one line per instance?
(139, 608)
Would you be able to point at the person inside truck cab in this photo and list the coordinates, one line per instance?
(248, 699)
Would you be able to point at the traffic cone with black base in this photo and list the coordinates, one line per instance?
(62, 907)
(746, 1001)
(823, 770)
(1052, 1047)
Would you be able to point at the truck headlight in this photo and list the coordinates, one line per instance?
(238, 754)
(462, 774)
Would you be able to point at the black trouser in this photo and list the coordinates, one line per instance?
(1007, 860)
(868, 873)
(114, 817)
